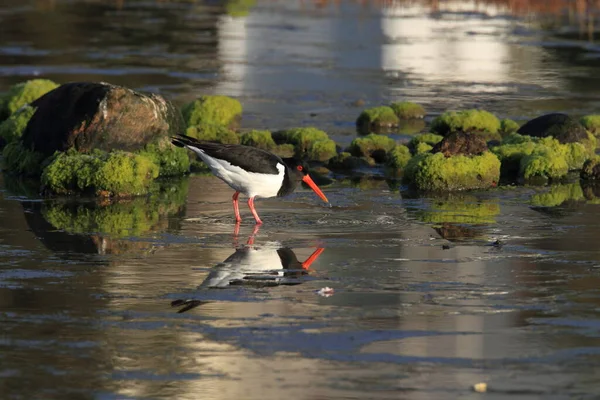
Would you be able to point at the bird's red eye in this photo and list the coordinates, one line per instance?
(299, 167)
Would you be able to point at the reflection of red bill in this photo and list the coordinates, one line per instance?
(326, 291)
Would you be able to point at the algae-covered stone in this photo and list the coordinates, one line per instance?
(13, 127)
(508, 126)
(430, 139)
(261, 139)
(239, 8)
(591, 169)
(372, 145)
(170, 159)
(558, 195)
(461, 143)
(116, 174)
(213, 110)
(285, 150)
(213, 133)
(437, 172)
(23, 93)
(347, 162)
(408, 110)
(20, 160)
(398, 157)
(591, 123)
(376, 119)
(544, 162)
(85, 116)
(562, 127)
(309, 142)
(480, 121)
(422, 147)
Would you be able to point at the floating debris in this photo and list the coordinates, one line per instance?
(326, 291)
(480, 387)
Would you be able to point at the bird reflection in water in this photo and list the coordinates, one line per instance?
(257, 266)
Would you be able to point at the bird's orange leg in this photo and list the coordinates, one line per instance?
(253, 210)
(236, 207)
(254, 232)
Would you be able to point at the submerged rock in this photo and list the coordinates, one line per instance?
(436, 172)
(213, 110)
(376, 119)
(86, 116)
(562, 127)
(461, 143)
(308, 142)
(475, 121)
(408, 110)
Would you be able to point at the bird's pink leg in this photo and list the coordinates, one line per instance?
(236, 207)
(253, 210)
(254, 232)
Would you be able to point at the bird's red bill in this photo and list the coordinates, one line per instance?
(312, 258)
(314, 187)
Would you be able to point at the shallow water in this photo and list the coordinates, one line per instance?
(431, 295)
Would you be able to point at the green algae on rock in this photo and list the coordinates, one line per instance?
(435, 172)
(373, 146)
(23, 93)
(398, 157)
(170, 159)
(261, 139)
(19, 160)
(591, 169)
(545, 162)
(309, 142)
(477, 121)
(13, 127)
(508, 126)
(118, 174)
(213, 133)
(408, 110)
(376, 119)
(347, 162)
(424, 142)
(213, 110)
(591, 123)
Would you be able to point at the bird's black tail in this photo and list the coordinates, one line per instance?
(183, 141)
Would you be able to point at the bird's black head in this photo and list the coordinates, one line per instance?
(297, 170)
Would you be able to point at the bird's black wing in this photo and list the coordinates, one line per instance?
(249, 158)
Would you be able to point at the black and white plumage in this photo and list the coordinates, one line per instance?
(250, 171)
(264, 266)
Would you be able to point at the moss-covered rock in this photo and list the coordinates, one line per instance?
(309, 142)
(19, 160)
(119, 174)
(376, 119)
(23, 93)
(562, 127)
(468, 144)
(408, 110)
(422, 147)
(347, 162)
(430, 139)
(213, 110)
(13, 127)
(239, 8)
(591, 169)
(284, 150)
(261, 139)
(477, 121)
(508, 126)
(544, 162)
(372, 145)
(398, 157)
(213, 133)
(558, 195)
(591, 123)
(170, 159)
(436, 172)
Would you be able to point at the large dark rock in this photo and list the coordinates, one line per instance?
(562, 127)
(88, 116)
(468, 144)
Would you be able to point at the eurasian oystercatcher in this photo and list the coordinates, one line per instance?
(251, 171)
(264, 266)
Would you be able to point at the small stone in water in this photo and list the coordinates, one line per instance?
(480, 387)
(326, 291)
